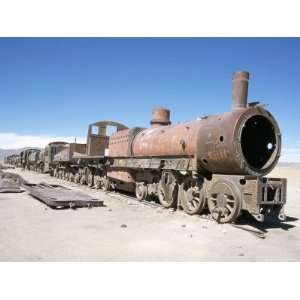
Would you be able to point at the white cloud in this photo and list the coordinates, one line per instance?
(290, 155)
(16, 141)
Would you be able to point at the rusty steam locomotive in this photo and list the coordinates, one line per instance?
(216, 162)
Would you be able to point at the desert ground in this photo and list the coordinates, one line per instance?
(124, 230)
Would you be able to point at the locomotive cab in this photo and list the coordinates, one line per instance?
(98, 137)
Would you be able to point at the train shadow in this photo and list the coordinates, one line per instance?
(271, 222)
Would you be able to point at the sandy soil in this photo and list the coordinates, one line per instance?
(30, 231)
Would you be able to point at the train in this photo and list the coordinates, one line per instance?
(217, 162)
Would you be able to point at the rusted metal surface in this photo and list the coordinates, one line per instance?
(34, 156)
(48, 154)
(34, 160)
(120, 143)
(160, 117)
(216, 161)
(245, 141)
(177, 140)
(97, 141)
(28, 156)
(10, 182)
(12, 160)
(68, 151)
(240, 89)
(121, 175)
(180, 164)
(57, 196)
(259, 196)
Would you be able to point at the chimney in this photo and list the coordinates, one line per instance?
(240, 81)
(160, 117)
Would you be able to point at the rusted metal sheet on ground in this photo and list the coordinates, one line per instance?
(10, 183)
(57, 196)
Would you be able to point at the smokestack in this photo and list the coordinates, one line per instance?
(240, 81)
(160, 116)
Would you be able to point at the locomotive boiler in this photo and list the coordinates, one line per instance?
(217, 160)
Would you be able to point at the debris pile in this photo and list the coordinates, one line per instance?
(10, 183)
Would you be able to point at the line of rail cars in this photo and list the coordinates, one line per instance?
(216, 161)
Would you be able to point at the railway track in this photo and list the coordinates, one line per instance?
(248, 228)
(121, 196)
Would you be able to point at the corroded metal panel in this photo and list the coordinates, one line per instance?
(57, 196)
(68, 151)
(10, 182)
(121, 175)
(97, 142)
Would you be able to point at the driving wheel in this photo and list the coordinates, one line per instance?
(106, 184)
(141, 191)
(224, 201)
(193, 197)
(168, 190)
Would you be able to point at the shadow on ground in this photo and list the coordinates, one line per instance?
(270, 222)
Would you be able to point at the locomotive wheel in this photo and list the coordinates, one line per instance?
(71, 177)
(193, 200)
(77, 178)
(89, 177)
(90, 180)
(168, 190)
(82, 180)
(67, 176)
(106, 184)
(224, 201)
(97, 182)
(141, 191)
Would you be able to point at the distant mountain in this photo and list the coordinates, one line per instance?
(7, 152)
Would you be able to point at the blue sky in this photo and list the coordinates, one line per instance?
(55, 87)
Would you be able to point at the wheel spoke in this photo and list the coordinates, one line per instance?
(192, 203)
(197, 199)
(224, 201)
(229, 198)
(230, 201)
(213, 199)
(229, 208)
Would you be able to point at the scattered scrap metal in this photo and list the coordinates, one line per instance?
(57, 196)
(5, 166)
(10, 182)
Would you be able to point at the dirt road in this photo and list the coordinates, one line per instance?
(126, 231)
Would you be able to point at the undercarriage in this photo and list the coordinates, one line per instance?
(224, 196)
